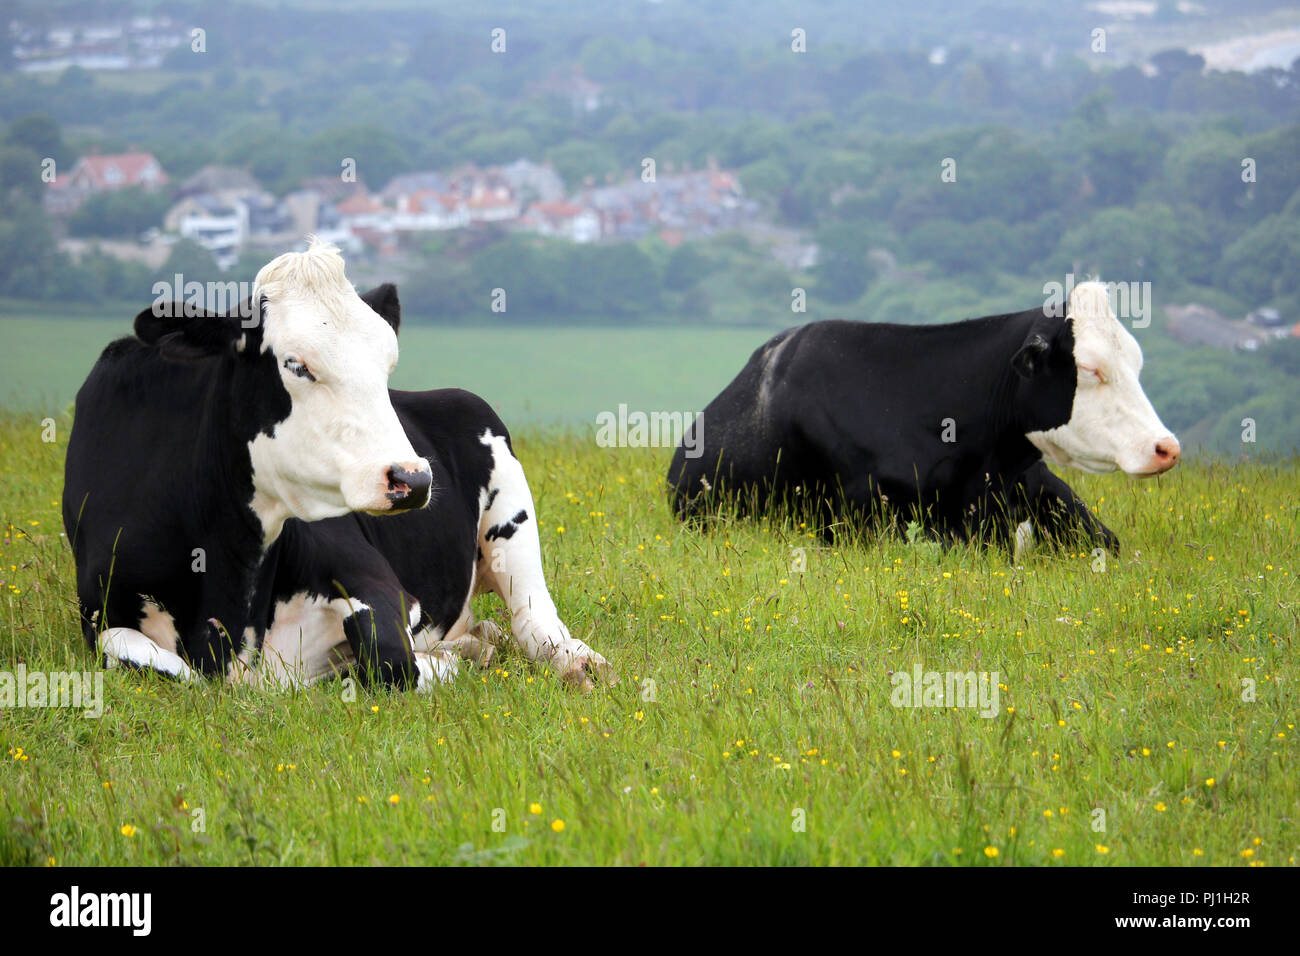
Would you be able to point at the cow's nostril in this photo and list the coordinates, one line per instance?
(407, 488)
(395, 483)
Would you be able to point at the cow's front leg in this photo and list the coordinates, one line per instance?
(478, 645)
(1059, 513)
(511, 565)
(378, 627)
(125, 646)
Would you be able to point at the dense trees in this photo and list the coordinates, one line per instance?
(122, 214)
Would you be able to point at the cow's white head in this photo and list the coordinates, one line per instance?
(307, 390)
(341, 447)
(1112, 424)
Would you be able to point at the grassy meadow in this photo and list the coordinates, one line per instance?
(753, 722)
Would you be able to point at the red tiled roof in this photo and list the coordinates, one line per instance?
(120, 170)
(359, 204)
(426, 199)
(557, 210)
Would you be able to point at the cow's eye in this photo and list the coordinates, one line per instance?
(299, 368)
(1095, 373)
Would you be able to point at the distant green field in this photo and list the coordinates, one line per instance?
(559, 375)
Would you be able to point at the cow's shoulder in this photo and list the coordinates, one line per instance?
(459, 433)
(124, 347)
(448, 418)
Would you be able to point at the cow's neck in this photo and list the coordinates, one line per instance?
(1004, 421)
(224, 484)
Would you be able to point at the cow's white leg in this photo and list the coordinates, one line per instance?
(1024, 541)
(511, 565)
(125, 645)
(471, 647)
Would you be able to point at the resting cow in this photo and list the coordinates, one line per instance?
(944, 424)
(225, 483)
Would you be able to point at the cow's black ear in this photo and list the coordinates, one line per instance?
(383, 299)
(183, 331)
(1032, 356)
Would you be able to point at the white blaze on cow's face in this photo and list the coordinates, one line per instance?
(1112, 424)
(341, 448)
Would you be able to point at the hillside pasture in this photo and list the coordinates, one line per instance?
(1145, 714)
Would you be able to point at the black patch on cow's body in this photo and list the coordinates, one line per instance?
(507, 529)
(844, 421)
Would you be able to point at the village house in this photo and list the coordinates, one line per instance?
(366, 212)
(492, 205)
(225, 182)
(219, 227)
(697, 203)
(533, 182)
(562, 220)
(427, 210)
(404, 184)
(96, 174)
(223, 209)
(138, 43)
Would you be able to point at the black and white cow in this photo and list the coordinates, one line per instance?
(225, 484)
(948, 424)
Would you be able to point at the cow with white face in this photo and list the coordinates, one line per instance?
(1112, 424)
(947, 425)
(244, 498)
(195, 441)
(341, 447)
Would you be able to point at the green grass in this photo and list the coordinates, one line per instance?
(542, 375)
(1122, 691)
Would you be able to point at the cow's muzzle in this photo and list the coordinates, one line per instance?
(1164, 456)
(408, 486)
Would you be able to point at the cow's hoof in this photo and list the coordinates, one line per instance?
(586, 669)
(477, 646)
(489, 632)
(434, 668)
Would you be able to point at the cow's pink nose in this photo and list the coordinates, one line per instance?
(1167, 453)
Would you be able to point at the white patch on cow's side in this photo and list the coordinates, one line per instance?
(512, 567)
(125, 645)
(333, 452)
(1112, 424)
(306, 641)
(159, 626)
(768, 380)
